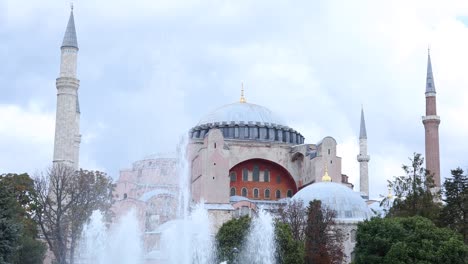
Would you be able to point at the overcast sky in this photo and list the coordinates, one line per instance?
(149, 70)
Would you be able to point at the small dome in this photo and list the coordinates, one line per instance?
(348, 204)
(242, 112)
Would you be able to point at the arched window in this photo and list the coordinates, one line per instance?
(256, 174)
(125, 195)
(278, 194)
(278, 178)
(233, 176)
(255, 193)
(233, 191)
(289, 193)
(244, 192)
(266, 176)
(267, 194)
(245, 174)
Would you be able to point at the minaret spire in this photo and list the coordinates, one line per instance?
(431, 123)
(362, 130)
(69, 39)
(363, 158)
(67, 121)
(430, 87)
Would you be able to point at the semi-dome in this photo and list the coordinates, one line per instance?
(242, 112)
(348, 204)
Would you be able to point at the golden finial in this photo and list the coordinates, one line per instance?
(390, 195)
(242, 98)
(326, 177)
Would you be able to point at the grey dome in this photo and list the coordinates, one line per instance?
(247, 122)
(348, 204)
(242, 112)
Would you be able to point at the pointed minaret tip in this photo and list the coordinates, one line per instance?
(69, 39)
(362, 131)
(430, 86)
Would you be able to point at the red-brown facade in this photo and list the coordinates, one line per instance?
(260, 179)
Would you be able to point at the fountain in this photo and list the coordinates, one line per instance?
(100, 245)
(188, 239)
(260, 246)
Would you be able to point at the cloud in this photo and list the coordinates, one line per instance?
(149, 70)
(26, 138)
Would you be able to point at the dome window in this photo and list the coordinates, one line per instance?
(256, 174)
(233, 176)
(255, 191)
(244, 192)
(278, 179)
(245, 174)
(266, 176)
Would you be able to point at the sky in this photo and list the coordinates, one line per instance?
(149, 70)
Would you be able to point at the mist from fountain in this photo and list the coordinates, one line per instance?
(260, 247)
(119, 244)
(188, 239)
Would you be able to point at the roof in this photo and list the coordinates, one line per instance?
(242, 112)
(69, 39)
(348, 204)
(362, 131)
(430, 86)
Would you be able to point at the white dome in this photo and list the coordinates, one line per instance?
(348, 204)
(242, 112)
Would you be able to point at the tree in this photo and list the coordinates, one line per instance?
(288, 250)
(230, 238)
(19, 187)
(414, 193)
(455, 212)
(10, 229)
(407, 240)
(323, 239)
(295, 215)
(65, 199)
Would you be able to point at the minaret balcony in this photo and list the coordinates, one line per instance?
(430, 117)
(363, 158)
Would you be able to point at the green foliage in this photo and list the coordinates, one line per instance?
(288, 250)
(407, 240)
(10, 229)
(18, 217)
(32, 251)
(414, 192)
(230, 238)
(455, 212)
(323, 240)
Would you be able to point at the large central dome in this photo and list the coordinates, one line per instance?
(244, 121)
(242, 112)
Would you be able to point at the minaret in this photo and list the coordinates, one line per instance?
(363, 158)
(431, 123)
(67, 122)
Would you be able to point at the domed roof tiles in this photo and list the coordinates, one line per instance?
(348, 204)
(242, 112)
